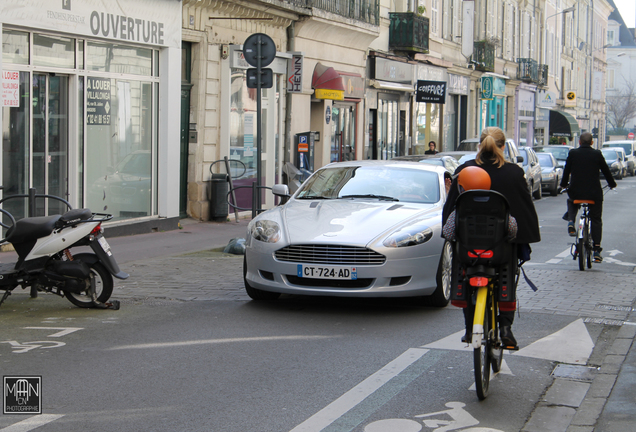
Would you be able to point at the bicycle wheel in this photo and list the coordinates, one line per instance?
(496, 351)
(582, 248)
(481, 358)
(590, 248)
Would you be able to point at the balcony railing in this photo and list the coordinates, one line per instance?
(408, 32)
(543, 75)
(367, 11)
(484, 56)
(528, 70)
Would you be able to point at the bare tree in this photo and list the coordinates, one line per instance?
(621, 106)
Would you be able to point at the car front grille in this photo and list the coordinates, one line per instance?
(330, 255)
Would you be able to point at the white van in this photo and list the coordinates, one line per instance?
(630, 151)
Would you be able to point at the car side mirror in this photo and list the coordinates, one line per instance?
(519, 159)
(282, 191)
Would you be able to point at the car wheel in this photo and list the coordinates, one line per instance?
(441, 296)
(537, 193)
(255, 293)
(555, 190)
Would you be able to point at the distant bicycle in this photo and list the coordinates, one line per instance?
(583, 248)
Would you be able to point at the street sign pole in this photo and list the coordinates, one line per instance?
(258, 124)
(260, 56)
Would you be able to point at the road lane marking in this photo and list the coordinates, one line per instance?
(32, 423)
(218, 341)
(553, 261)
(64, 330)
(566, 253)
(356, 395)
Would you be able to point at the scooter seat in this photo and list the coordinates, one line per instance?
(31, 229)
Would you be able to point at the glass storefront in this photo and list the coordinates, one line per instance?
(343, 132)
(84, 126)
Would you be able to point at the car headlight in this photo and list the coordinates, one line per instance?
(549, 175)
(615, 165)
(265, 231)
(409, 236)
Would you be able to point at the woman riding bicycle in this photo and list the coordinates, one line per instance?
(509, 180)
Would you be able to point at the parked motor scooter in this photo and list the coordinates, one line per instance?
(45, 262)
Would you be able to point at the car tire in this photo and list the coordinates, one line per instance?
(555, 190)
(537, 194)
(441, 296)
(255, 293)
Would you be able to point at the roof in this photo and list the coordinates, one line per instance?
(624, 35)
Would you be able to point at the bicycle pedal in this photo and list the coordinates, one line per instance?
(510, 347)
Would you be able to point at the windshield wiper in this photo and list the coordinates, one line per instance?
(313, 197)
(380, 197)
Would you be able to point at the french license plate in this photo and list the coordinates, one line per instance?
(104, 244)
(327, 272)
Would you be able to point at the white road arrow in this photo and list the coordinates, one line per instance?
(614, 252)
(64, 330)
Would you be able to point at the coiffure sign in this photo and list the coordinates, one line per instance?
(147, 22)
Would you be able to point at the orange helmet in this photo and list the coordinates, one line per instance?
(473, 177)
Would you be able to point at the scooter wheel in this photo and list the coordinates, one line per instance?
(103, 288)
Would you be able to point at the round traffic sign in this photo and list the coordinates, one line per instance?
(250, 49)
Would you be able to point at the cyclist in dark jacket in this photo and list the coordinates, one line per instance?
(509, 180)
(583, 165)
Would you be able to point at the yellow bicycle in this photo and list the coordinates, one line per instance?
(485, 273)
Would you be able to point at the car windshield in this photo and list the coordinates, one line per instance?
(392, 183)
(626, 147)
(560, 153)
(433, 162)
(545, 160)
(610, 154)
(467, 157)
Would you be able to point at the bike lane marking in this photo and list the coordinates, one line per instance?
(63, 330)
(32, 423)
(359, 393)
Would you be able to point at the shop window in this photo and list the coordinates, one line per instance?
(15, 47)
(108, 57)
(53, 51)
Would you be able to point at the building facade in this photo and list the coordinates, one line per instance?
(89, 89)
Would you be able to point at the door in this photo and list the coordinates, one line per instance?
(50, 141)
(185, 139)
(343, 132)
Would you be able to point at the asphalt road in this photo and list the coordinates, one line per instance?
(189, 351)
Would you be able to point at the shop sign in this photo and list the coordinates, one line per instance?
(597, 85)
(457, 84)
(393, 71)
(354, 86)
(570, 99)
(546, 99)
(295, 74)
(98, 102)
(139, 21)
(431, 91)
(487, 87)
(329, 94)
(10, 88)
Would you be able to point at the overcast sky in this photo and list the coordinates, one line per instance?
(627, 8)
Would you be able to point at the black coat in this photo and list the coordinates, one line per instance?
(509, 180)
(584, 165)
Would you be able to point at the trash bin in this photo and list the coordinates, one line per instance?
(218, 197)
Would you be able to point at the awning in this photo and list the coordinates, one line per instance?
(563, 124)
(327, 82)
(386, 85)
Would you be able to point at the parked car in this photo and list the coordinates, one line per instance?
(356, 229)
(560, 152)
(448, 162)
(630, 152)
(532, 169)
(459, 154)
(614, 158)
(551, 173)
(511, 152)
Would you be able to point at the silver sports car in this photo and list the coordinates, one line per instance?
(358, 228)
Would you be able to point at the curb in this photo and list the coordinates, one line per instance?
(575, 405)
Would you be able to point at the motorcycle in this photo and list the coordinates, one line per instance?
(45, 262)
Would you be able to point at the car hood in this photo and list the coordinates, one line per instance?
(350, 221)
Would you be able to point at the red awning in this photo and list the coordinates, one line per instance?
(327, 78)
